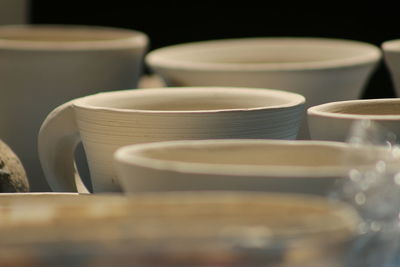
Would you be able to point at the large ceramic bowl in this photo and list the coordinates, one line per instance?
(321, 69)
(177, 229)
(254, 165)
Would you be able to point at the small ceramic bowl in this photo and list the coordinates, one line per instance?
(333, 121)
(254, 165)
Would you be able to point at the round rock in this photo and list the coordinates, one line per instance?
(12, 174)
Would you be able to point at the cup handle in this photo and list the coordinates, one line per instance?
(57, 141)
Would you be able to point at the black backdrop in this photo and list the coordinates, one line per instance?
(169, 22)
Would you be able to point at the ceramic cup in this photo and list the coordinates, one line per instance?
(108, 121)
(391, 52)
(334, 121)
(322, 70)
(179, 229)
(43, 66)
(308, 167)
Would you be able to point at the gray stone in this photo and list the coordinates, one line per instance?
(12, 174)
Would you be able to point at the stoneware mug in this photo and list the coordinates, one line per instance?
(307, 167)
(107, 121)
(391, 52)
(334, 121)
(43, 66)
(323, 70)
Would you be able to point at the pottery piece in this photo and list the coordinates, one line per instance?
(391, 52)
(12, 173)
(321, 69)
(333, 121)
(43, 66)
(308, 167)
(52, 198)
(179, 229)
(107, 121)
(14, 11)
(151, 81)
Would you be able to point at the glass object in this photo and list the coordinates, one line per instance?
(374, 191)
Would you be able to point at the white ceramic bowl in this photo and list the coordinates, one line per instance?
(255, 165)
(321, 69)
(177, 229)
(334, 121)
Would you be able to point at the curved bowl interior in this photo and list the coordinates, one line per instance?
(264, 53)
(191, 99)
(251, 157)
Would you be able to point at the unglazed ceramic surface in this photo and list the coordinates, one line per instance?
(257, 165)
(391, 52)
(43, 66)
(334, 121)
(14, 11)
(177, 229)
(108, 121)
(322, 70)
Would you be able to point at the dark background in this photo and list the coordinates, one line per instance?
(171, 22)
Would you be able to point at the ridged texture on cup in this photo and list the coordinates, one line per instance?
(103, 130)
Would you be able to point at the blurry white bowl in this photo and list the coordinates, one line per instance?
(255, 165)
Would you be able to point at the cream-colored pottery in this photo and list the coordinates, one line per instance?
(310, 167)
(323, 70)
(107, 121)
(14, 11)
(334, 121)
(177, 229)
(391, 52)
(33, 196)
(43, 66)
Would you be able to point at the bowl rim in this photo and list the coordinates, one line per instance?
(391, 45)
(321, 110)
(128, 38)
(130, 155)
(292, 99)
(156, 58)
